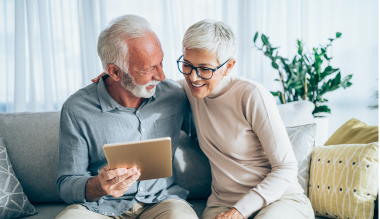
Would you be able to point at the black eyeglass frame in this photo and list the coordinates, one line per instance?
(196, 68)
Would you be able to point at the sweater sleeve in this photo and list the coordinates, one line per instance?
(263, 114)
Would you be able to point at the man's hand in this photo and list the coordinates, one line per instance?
(116, 182)
(230, 214)
(96, 80)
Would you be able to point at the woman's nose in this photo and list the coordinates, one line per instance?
(194, 76)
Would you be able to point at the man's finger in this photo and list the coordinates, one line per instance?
(122, 178)
(110, 174)
(128, 182)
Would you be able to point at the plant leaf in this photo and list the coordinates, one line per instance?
(321, 109)
(274, 65)
(264, 39)
(338, 34)
(328, 71)
(275, 93)
(255, 38)
(346, 81)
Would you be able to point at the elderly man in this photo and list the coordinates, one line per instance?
(132, 102)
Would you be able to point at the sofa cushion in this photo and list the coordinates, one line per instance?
(302, 140)
(193, 168)
(354, 132)
(32, 144)
(198, 205)
(344, 180)
(296, 113)
(13, 201)
(48, 211)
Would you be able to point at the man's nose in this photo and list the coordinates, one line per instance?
(159, 74)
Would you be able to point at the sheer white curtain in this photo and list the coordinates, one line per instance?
(48, 48)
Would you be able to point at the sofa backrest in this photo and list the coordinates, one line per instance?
(31, 140)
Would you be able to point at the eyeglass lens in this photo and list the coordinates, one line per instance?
(187, 68)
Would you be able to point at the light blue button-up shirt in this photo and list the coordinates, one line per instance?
(91, 118)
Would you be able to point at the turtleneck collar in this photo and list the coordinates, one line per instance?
(223, 86)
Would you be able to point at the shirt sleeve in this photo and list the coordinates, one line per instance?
(73, 162)
(263, 114)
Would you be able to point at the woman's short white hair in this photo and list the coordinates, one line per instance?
(112, 46)
(214, 36)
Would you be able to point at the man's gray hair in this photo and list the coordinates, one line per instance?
(112, 46)
(214, 36)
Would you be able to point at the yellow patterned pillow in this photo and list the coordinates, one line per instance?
(344, 180)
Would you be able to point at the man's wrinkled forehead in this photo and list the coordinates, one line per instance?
(145, 52)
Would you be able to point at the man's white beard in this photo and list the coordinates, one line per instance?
(129, 83)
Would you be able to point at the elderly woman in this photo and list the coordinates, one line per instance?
(254, 170)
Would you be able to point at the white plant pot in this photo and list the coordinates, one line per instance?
(322, 130)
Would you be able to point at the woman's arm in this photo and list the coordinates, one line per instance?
(263, 114)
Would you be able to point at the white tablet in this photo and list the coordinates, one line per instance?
(153, 157)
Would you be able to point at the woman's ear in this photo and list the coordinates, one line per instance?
(229, 65)
(114, 72)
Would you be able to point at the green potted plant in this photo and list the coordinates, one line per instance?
(308, 76)
(376, 97)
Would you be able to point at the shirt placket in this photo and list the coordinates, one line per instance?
(142, 125)
(143, 131)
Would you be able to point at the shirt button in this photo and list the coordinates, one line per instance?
(143, 130)
(137, 111)
(105, 213)
(141, 189)
(113, 214)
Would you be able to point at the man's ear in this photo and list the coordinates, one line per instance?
(229, 65)
(114, 72)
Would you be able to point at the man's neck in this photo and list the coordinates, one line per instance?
(121, 95)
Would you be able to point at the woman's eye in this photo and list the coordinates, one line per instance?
(205, 69)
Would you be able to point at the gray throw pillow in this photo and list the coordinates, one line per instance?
(302, 140)
(13, 201)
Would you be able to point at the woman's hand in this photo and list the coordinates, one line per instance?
(230, 214)
(96, 80)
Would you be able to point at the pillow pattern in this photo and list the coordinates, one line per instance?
(344, 180)
(13, 201)
(302, 140)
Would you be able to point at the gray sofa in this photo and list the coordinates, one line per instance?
(32, 143)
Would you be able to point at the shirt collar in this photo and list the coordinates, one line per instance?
(107, 103)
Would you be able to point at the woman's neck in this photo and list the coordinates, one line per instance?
(222, 87)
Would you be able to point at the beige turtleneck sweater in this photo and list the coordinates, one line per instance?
(240, 130)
